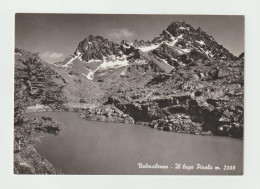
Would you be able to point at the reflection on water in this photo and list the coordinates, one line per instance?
(89, 147)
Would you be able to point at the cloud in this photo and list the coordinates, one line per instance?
(52, 55)
(122, 33)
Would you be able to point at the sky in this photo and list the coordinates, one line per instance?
(56, 36)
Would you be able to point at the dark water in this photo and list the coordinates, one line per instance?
(89, 147)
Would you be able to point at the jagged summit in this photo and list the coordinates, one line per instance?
(178, 25)
(183, 39)
(96, 54)
(96, 48)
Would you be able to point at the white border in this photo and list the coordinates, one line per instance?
(248, 8)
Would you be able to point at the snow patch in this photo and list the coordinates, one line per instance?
(93, 60)
(154, 46)
(123, 72)
(174, 40)
(140, 61)
(108, 63)
(183, 28)
(70, 62)
(103, 73)
(80, 58)
(179, 51)
(208, 53)
(149, 48)
(74, 57)
(165, 61)
(183, 51)
(127, 47)
(78, 53)
(211, 38)
(167, 64)
(114, 62)
(90, 75)
(201, 42)
(175, 59)
(186, 50)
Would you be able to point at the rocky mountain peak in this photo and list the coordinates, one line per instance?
(96, 48)
(178, 27)
(184, 38)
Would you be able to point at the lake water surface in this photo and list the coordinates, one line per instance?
(90, 147)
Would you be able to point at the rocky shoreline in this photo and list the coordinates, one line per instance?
(181, 114)
(188, 116)
(26, 158)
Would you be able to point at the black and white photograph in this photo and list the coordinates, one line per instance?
(128, 94)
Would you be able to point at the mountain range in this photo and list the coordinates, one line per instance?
(179, 45)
